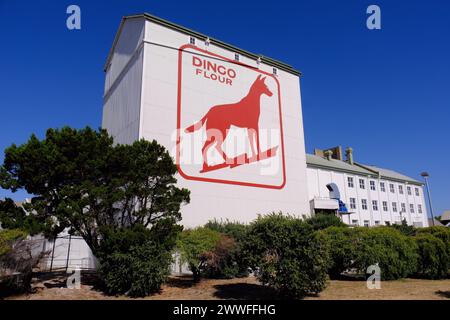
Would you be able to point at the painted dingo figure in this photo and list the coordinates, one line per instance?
(242, 114)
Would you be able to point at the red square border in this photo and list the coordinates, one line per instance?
(213, 180)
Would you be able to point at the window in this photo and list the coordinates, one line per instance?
(419, 208)
(375, 205)
(372, 185)
(377, 223)
(275, 71)
(400, 189)
(391, 188)
(411, 208)
(403, 207)
(361, 184)
(350, 182)
(394, 206)
(192, 40)
(366, 223)
(385, 206)
(382, 187)
(355, 222)
(417, 191)
(408, 189)
(236, 56)
(352, 203)
(388, 223)
(364, 204)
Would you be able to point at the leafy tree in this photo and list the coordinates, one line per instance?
(13, 216)
(193, 245)
(81, 181)
(287, 254)
(105, 193)
(322, 221)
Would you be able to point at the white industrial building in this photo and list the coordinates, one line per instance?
(169, 83)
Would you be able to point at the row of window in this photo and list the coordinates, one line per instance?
(384, 205)
(377, 223)
(372, 185)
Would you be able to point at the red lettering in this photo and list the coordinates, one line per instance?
(222, 70)
(196, 61)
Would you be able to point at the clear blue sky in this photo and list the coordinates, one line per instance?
(384, 92)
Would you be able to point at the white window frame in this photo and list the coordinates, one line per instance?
(382, 187)
(362, 184)
(385, 206)
(372, 185)
(374, 205)
(364, 204)
(394, 207)
(352, 203)
(350, 182)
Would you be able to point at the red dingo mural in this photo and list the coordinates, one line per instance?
(242, 114)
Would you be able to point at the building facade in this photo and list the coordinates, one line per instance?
(373, 196)
(232, 120)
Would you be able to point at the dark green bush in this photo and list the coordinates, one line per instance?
(395, 253)
(439, 232)
(136, 261)
(233, 263)
(287, 254)
(433, 260)
(343, 243)
(405, 228)
(322, 221)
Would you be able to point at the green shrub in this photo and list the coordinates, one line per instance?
(8, 237)
(286, 253)
(439, 232)
(343, 245)
(16, 261)
(233, 262)
(136, 261)
(193, 245)
(322, 221)
(395, 253)
(433, 260)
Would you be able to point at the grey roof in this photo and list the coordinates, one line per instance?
(392, 175)
(445, 216)
(333, 164)
(357, 168)
(275, 63)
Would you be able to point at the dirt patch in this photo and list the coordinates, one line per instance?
(53, 287)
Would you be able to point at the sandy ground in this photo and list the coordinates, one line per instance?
(53, 287)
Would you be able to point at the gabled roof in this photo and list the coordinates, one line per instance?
(269, 61)
(333, 164)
